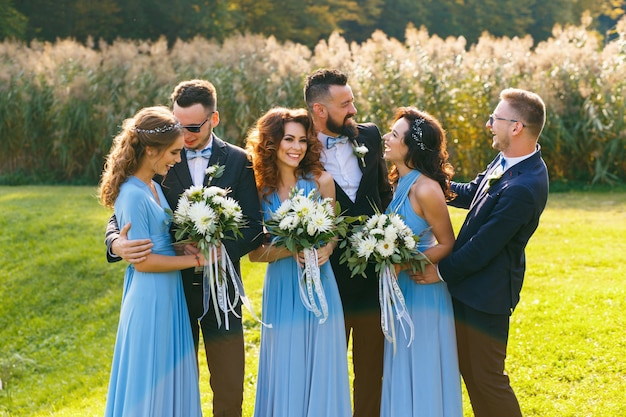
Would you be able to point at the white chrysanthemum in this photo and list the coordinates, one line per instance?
(217, 200)
(321, 222)
(232, 208)
(282, 211)
(361, 150)
(203, 218)
(194, 193)
(210, 171)
(382, 221)
(328, 206)
(372, 222)
(304, 207)
(182, 211)
(386, 248)
(213, 191)
(377, 232)
(366, 247)
(391, 233)
(409, 242)
(397, 221)
(289, 222)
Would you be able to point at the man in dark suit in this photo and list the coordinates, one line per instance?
(486, 268)
(361, 184)
(195, 106)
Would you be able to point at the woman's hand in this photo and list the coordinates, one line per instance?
(323, 254)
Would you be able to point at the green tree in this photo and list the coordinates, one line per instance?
(99, 19)
(12, 22)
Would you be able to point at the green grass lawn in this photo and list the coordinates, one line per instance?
(60, 303)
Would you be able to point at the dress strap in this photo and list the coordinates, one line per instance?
(402, 190)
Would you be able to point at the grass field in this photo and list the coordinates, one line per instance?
(60, 303)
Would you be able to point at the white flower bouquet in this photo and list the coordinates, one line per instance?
(304, 223)
(206, 216)
(385, 240)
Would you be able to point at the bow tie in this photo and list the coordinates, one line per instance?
(331, 141)
(205, 153)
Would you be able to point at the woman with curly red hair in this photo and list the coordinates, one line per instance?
(303, 368)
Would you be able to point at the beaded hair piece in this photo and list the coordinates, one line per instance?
(416, 133)
(161, 129)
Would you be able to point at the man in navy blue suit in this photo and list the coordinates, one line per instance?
(485, 270)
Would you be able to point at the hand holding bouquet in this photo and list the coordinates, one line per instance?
(304, 223)
(385, 240)
(206, 216)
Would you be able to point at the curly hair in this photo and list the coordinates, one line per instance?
(264, 139)
(155, 127)
(429, 155)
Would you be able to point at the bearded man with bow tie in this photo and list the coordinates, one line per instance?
(353, 156)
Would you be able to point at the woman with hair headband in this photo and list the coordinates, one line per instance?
(423, 379)
(154, 371)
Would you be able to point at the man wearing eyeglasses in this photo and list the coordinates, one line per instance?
(485, 270)
(194, 103)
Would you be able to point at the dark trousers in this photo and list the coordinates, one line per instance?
(482, 340)
(224, 349)
(367, 360)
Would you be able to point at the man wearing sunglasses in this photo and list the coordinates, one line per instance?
(194, 103)
(485, 270)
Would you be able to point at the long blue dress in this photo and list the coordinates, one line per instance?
(422, 380)
(303, 367)
(154, 371)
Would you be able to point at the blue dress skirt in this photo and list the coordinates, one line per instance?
(303, 367)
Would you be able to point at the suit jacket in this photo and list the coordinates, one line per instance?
(486, 267)
(358, 293)
(238, 176)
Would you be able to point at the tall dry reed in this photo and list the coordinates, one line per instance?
(63, 102)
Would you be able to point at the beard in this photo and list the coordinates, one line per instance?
(346, 128)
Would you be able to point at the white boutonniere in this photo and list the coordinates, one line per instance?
(360, 150)
(492, 179)
(215, 171)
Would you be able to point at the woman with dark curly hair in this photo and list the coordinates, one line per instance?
(303, 367)
(422, 379)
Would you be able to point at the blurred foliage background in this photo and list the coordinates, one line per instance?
(63, 99)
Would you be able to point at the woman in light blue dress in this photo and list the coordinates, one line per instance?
(303, 368)
(422, 380)
(154, 371)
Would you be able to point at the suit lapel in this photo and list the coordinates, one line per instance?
(218, 156)
(181, 171)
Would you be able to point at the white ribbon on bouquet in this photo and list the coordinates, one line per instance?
(310, 285)
(215, 275)
(391, 299)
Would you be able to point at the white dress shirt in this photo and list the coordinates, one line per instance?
(198, 166)
(342, 164)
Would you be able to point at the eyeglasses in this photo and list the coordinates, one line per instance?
(196, 128)
(492, 118)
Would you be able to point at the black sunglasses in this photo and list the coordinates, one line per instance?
(492, 118)
(196, 128)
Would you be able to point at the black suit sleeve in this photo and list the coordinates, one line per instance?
(112, 233)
